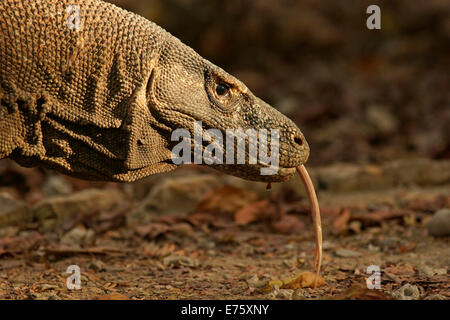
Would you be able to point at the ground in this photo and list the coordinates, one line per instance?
(237, 243)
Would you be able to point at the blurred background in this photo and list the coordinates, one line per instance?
(358, 95)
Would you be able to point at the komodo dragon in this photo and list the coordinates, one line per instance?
(98, 96)
(100, 101)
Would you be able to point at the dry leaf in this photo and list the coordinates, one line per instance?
(340, 223)
(288, 224)
(376, 217)
(226, 199)
(113, 296)
(253, 212)
(151, 230)
(303, 280)
(359, 292)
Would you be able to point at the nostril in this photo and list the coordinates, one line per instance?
(298, 140)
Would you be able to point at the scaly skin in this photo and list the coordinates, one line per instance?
(101, 103)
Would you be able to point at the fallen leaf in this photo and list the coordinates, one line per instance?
(340, 223)
(253, 212)
(226, 199)
(288, 224)
(402, 270)
(376, 217)
(359, 292)
(198, 219)
(151, 230)
(303, 280)
(113, 296)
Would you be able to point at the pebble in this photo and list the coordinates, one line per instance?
(180, 261)
(430, 272)
(53, 212)
(285, 294)
(97, 266)
(277, 293)
(78, 236)
(13, 212)
(256, 282)
(346, 253)
(8, 232)
(373, 248)
(328, 245)
(173, 196)
(407, 292)
(56, 185)
(439, 224)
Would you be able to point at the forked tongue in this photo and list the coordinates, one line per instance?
(315, 211)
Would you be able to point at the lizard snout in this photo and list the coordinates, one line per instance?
(294, 147)
(298, 140)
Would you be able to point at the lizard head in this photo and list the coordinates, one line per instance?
(190, 93)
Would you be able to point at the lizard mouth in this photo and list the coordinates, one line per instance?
(282, 172)
(246, 170)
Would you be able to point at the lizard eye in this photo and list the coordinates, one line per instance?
(222, 90)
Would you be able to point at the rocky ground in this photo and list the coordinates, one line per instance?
(194, 233)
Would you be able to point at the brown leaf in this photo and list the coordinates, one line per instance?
(154, 250)
(402, 270)
(341, 222)
(253, 212)
(226, 199)
(151, 230)
(376, 217)
(113, 296)
(288, 224)
(303, 280)
(198, 219)
(359, 292)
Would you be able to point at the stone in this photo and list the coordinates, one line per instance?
(285, 294)
(78, 237)
(418, 172)
(381, 119)
(407, 292)
(56, 211)
(342, 177)
(277, 293)
(179, 192)
(439, 224)
(173, 196)
(98, 266)
(179, 261)
(430, 272)
(55, 185)
(13, 212)
(346, 253)
(6, 232)
(346, 177)
(260, 282)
